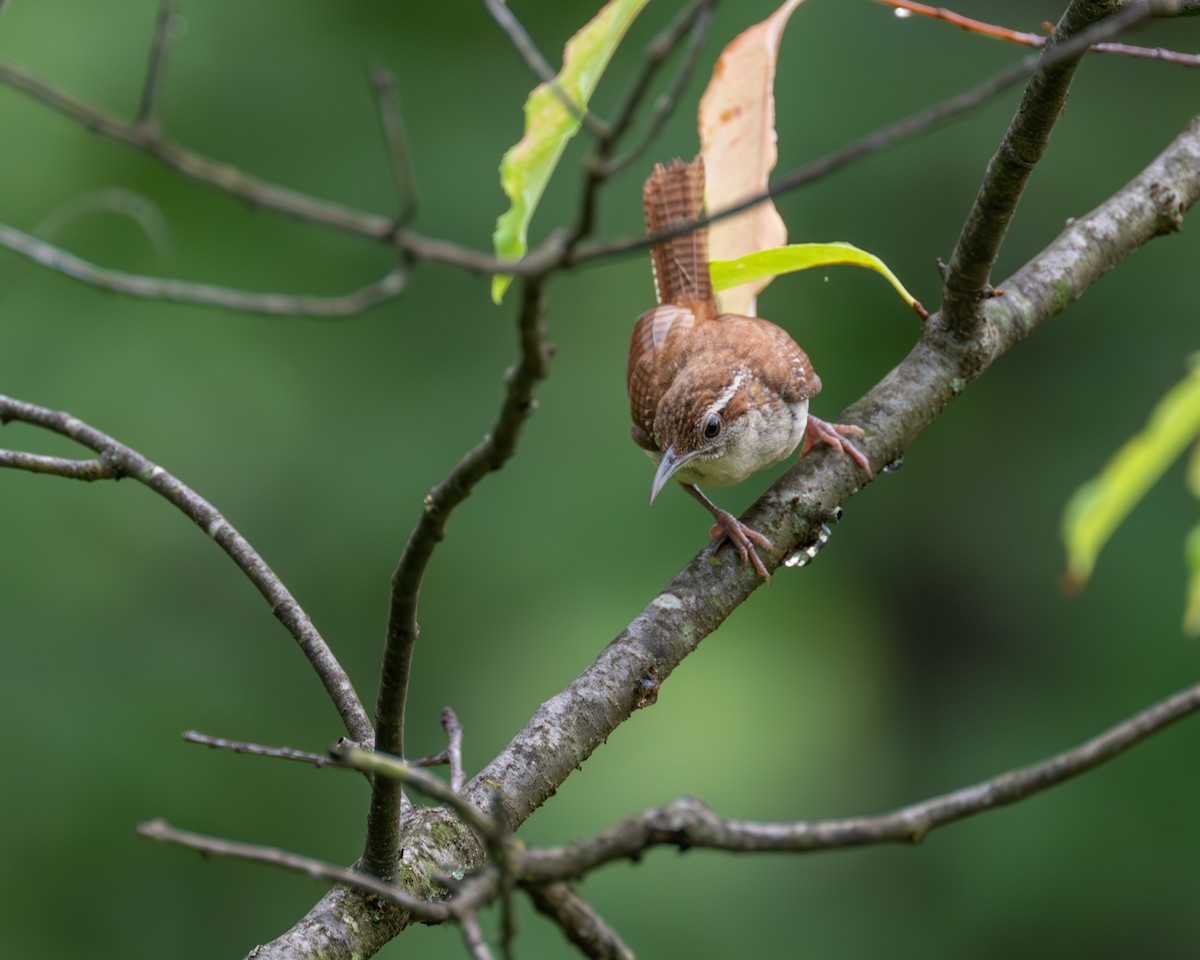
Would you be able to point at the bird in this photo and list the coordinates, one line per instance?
(714, 397)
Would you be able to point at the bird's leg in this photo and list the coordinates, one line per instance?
(837, 435)
(738, 533)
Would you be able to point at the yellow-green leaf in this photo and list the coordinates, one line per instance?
(549, 125)
(1098, 507)
(801, 256)
(1191, 616)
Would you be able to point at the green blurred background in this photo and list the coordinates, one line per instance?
(928, 648)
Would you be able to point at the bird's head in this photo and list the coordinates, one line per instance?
(703, 428)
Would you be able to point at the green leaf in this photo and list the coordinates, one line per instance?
(549, 125)
(800, 256)
(1098, 507)
(1191, 616)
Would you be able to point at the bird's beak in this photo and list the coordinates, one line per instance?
(670, 462)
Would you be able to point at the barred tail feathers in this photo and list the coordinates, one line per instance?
(675, 194)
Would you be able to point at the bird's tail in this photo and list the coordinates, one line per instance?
(675, 194)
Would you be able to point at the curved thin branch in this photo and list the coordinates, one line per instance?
(203, 294)
(164, 33)
(393, 768)
(1039, 40)
(259, 750)
(424, 910)
(693, 22)
(383, 844)
(198, 167)
(395, 137)
(117, 460)
(579, 921)
(519, 37)
(59, 466)
(689, 823)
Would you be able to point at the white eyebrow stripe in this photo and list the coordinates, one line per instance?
(726, 395)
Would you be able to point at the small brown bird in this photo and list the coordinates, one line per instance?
(714, 397)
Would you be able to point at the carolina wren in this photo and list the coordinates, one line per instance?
(714, 397)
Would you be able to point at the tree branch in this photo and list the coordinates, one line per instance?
(1039, 40)
(203, 294)
(519, 37)
(1019, 152)
(383, 843)
(117, 460)
(687, 822)
(164, 33)
(423, 910)
(579, 921)
(391, 121)
(214, 173)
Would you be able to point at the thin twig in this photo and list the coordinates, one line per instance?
(258, 750)
(123, 461)
(1037, 40)
(519, 37)
(58, 466)
(1019, 151)
(689, 823)
(395, 137)
(472, 933)
(695, 20)
(600, 166)
(164, 33)
(423, 910)
(203, 294)
(579, 921)
(206, 170)
(454, 738)
(401, 771)
(402, 630)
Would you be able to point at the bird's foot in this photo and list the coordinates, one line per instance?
(743, 539)
(837, 435)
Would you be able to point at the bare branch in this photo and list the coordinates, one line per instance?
(1037, 40)
(206, 170)
(424, 910)
(689, 823)
(694, 21)
(58, 466)
(202, 294)
(1019, 152)
(402, 631)
(519, 37)
(164, 33)
(580, 922)
(473, 938)
(122, 461)
(454, 738)
(396, 139)
(258, 750)
(600, 166)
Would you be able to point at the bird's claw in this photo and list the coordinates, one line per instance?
(743, 539)
(837, 435)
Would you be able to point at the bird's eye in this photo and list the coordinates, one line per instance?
(712, 427)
